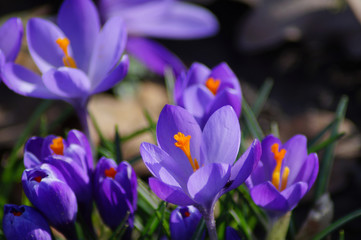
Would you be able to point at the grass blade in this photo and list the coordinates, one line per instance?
(251, 121)
(262, 96)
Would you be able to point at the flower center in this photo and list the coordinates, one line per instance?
(110, 172)
(57, 146)
(183, 144)
(213, 85)
(38, 178)
(67, 60)
(276, 175)
(16, 212)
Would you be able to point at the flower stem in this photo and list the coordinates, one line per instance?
(83, 118)
(210, 222)
(279, 228)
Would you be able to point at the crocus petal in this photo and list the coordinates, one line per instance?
(25, 82)
(297, 151)
(309, 170)
(232, 234)
(196, 100)
(108, 49)
(221, 137)
(32, 152)
(228, 79)
(80, 22)
(174, 119)
(153, 55)
(207, 182)
(10, 42)
(44, 50)
(169, 193)
(77, 137)
(241, 170)
(183, 222)
(163, 166)
(268, 197)
(293, 194)
(182, 21)
(67, 82)
(113, 77)
(267, 158)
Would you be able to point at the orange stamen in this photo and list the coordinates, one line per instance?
(38, 178)
(67, 60)
(187, 214)
(17, 214)
(213, 85)
(183, 144)
(276, 175)
(111, 172)
(57, 146)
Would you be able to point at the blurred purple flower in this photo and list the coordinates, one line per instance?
(284, 175)
(202, 91)
(47, 191)
(232, 234)
(76, 59)
(115, 192)
(24, 222)
(170, 19)
(72, 157)
(192, 167)
(183, 222)
(11, 33)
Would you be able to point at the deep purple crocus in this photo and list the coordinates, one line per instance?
(183, 222)
(76, 58)
(284, 175)
(202, 90)
(11, 33)
(192, 167)
(47, 191)
(231, 234)
(24, 222)
(115, 192)
(170, 19)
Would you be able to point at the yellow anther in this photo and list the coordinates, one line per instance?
(183, 144)
(213, 85)
(57, 146)
(67, 60)
(276, 175)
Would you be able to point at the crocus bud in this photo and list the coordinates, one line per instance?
(115, 192)
(24, 222)
(184, 222)
(48, 192)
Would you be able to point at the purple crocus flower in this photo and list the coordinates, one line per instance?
(284, 175)
(192, 167)
(170, 19)
(202, 90)
(48, 192)
(76, 58)
(24, 222)
(115, 192)
(232, 234)
(183, 222)
(10, 42)
(72, 157)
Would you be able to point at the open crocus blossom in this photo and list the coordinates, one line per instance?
(24, 222)
(11, 33)
(171, 19)
(192, 167)
(47, 191)
(115, 192)
(284, 175)
(202, 90)
(76, 58)
(183, 222)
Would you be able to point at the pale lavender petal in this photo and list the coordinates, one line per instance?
(169, 193)
(113, 77)
(227, 77)
(67, 82)
(154, 56)
(267, 196)
(80, 22)
(267, 158)
(309, 170)
(293, 194)
(243, 168)
(182, 21)
(10, 42)
(196, 100)
(44, 50)
(174, 119)
(221, 137)
(77, 137)
(25, 82)
(163, 166)
(257, 176)
(296, 155)
(205, 184)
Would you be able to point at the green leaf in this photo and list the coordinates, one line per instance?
(326, 143)
(318, 137)
(251, 121)
(262, 97)
(117, 146)
(119, 232)
(169, 83)
(201, 227)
